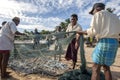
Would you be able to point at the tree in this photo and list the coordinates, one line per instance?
(25, 31)
(65, 24)
(45, 32)
(111, 9)
(67, 20)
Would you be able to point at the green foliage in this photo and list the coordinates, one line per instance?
(25, 31)
(111, 10)
(65, 24)
(45, 32)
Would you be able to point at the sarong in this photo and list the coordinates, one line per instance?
(71, 52)
(105, 51)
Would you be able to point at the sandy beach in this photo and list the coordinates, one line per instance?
(115, 68)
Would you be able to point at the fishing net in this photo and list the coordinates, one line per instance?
(82, 73)
(35, 53)
(78, 75)
(33, 56)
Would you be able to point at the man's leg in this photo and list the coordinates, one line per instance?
(74, 63)
(6, 56)
(107, 72)
(60, 57)
(96, 72)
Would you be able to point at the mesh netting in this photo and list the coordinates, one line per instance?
(78, 75)
(82, 73)
(34, 53)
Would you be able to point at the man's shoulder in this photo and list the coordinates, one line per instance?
(79, 25)
(103, 13)
(69, 25)
(11, 23)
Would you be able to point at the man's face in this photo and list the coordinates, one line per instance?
(17, 22)
(73, 20)
(96, 10)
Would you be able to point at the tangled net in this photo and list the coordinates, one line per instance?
(27, 59)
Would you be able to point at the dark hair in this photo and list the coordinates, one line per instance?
(16, 19)
(3, 23)
(74, 15)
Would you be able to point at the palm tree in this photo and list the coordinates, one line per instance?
(65, 24)
(111, 9)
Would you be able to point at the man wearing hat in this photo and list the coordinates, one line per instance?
(105, 26)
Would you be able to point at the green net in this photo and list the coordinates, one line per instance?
(36, 56)
(35, 53)
(82, 73)
(78, 75)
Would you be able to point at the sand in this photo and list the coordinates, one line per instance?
(115, 68)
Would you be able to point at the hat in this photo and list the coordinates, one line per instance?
(96, 5)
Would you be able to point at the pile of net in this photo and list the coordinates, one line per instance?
(79, 75)
(31, 56)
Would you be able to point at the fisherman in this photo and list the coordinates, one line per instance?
(8, 33)
(72, 49)
(105, 26)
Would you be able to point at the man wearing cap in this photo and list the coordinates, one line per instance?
(7, 43)
(105, 26)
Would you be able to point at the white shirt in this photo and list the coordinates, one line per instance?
(76, 27)
(7, 36)
(104, 25)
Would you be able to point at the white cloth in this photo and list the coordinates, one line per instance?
(7, 36)
(76, 27)
(104, 25)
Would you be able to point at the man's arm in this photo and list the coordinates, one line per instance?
(19, 33)
(82, 32)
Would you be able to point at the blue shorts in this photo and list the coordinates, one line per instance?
(105, 51)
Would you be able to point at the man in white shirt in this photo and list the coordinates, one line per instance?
(72, 49)
(105, 26)
(8, 32)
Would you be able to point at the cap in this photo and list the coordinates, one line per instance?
(96, 5)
